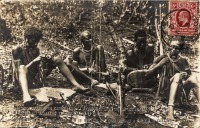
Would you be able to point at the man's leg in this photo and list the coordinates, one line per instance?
(193, 83)
(196, 92)
(67, 74)
(79, 74)
(172, 94)
(24, 83)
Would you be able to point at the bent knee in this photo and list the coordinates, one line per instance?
(22, 69)
(193, 81)
(177, 75)
(100, 47)
(58, 60)
(194, 78)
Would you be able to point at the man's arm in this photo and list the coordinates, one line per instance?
(123, 60)
(16, 62)
(158, 63)
(187, 67)
(16, 52)
(76, 52)
(17, 58)
(75, 57)
(36, 60)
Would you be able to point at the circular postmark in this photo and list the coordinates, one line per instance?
(180, 23)
(183, 17)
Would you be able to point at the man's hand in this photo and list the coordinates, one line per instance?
(38, 59)
(183, 75)
(122, 62)
(122, 65)
(91, 70)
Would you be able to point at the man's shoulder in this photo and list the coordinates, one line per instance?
(162, 56)
(17, 49)
(183, 58)
(159, 58)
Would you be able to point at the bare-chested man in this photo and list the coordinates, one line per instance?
(177, 73)
(29, 58)
(142, 53)
(90, 58)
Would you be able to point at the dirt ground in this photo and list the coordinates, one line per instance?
(141, 109)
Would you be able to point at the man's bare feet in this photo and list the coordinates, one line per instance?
(26, 98)
(170, 113)
(80, 88)
(29, 103)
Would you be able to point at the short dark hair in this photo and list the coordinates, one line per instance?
(33, 32)
(140, 32)
(85, 35)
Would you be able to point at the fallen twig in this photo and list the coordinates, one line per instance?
(142, 90)
(168, 123)
(108, 86)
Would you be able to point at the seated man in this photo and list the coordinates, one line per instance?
(141, 54)
(77, 73)
(176, 72)
(136, 58)
(29, 57)
(90, 58)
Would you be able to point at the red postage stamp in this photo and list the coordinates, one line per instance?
(183, 19)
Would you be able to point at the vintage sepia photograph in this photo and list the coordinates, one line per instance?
(99, 64)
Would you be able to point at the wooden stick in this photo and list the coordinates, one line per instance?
(120, 95)
(2, 74)
(142, 89)
(108, 86)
